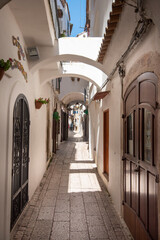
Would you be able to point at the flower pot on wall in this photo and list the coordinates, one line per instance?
(38, 105)
(1, 73)
(40, 101)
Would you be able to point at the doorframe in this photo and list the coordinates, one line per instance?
(17, 89)
(105, 173)
(20, 97)
(135, 82)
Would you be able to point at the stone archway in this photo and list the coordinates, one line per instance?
(72, 96)
(149, 62)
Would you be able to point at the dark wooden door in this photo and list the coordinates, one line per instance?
(62, 126)
(140, 158)
(54, 135)
(20, 158)
(106, 142)
(65, 126)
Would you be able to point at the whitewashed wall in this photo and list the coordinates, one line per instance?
(99, 14)
(144, 57)
(10, 88)
(68, 86)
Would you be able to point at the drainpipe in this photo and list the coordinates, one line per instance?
(140, 7)
(122, 74)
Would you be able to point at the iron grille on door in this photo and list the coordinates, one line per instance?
(20, 158)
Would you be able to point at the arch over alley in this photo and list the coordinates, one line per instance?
(71, 52)
(73, 96)
(48, 75)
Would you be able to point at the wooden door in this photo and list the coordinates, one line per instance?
(65, 126)
(54, 134)
(61, 125)
(106, 142)
(20, 158)
(140, 158)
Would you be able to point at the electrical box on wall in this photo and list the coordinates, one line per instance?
(33, 53)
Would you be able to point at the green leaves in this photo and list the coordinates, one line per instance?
(56, 116)
(86, 111)
(6, 65)
(42, 100)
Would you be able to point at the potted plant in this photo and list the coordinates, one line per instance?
(86, 111)
(4, 66)
(40, 101)
(63, 34)
(56, 116)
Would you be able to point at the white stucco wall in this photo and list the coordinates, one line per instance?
(87, 47)
(10, 88)
(148, 46)
(68, 86)
(112, 102)
(99, 14)
(94, 75)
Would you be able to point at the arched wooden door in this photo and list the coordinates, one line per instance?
(140, 158)
(20, 158)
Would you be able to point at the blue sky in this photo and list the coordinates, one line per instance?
(77, 10)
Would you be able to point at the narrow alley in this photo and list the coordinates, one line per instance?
(71, 202)
(80, 119)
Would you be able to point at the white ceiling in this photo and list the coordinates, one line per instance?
(34, 19)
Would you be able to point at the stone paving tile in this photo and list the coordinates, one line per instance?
(79, 236)
(63, 189)
(101, 238)
(62, 206)
(42, 230)
(46, 213)
(60, 231)
(63, 196)
(92, 209)
(78, 222)
(89, 197)
(94, 220)
(51, 193)
(48, 202)
(62, 217)
(71, 202)
(98, 232)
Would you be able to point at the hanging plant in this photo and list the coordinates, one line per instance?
(56, 116)
(4, 66)
(40, 101)
(86, 111)
(62, 35)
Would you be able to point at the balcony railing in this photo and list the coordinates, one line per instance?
(53, 5)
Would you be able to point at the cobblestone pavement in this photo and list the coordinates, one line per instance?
(71, 201)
